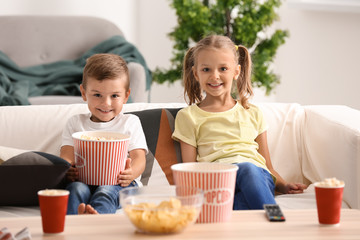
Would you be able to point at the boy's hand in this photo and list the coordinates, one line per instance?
(126, 177)
(72, 174)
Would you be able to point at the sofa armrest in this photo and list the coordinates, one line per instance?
(332, 147)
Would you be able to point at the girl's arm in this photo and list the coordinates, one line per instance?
(281, 185)
(188, 152)
(134, 167)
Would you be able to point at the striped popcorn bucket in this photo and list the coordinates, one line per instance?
(218, 183)
(100, 156)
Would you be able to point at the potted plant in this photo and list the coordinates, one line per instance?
(246, 22)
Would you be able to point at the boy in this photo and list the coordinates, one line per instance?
(105, 87)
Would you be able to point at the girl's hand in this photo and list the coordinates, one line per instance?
(292, 188)
(126, 177)
(72, 174)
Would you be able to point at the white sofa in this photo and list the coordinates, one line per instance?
(307, 144)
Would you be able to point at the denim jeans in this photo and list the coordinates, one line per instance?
(254, 187)
(104, 199)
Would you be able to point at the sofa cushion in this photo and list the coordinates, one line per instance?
(8, 152)
(23, 175)
(158, 125)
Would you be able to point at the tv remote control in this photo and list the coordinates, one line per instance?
(274, 213)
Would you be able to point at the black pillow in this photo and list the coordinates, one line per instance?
(158, 126)
(22, 176)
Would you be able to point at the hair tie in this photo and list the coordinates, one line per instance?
(236, 47)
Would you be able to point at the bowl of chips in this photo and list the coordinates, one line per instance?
(161, 210)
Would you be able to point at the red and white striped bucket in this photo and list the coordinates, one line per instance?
(218, 183)
(100, 161)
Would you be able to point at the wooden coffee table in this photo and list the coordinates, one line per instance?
(299, 224)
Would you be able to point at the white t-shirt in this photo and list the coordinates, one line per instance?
(128, 124)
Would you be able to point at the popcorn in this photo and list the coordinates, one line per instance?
(167, 217)
(85, 137)
(330, 182)
(53, 192)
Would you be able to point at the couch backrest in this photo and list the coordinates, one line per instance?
(40, 128)
(33, 40)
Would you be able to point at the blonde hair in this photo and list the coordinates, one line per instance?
(105, 66)
(241, 56)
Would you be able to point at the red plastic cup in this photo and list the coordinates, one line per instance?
(328, 202)
(218, 183)
(53, 206)
(100, 161)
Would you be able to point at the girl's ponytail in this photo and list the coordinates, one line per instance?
(244, 80)
(192, 88)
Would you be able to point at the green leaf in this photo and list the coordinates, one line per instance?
(241, 20)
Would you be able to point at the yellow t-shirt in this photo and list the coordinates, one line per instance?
(225, 137)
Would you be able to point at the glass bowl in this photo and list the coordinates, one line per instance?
(161, 210)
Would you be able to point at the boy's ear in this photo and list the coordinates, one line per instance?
(82, 90)
(127, 95)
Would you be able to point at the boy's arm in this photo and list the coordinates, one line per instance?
(67, 153)
(134, 167)
(138, 162)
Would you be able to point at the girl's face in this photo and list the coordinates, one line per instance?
(105, 98)
(215, 69)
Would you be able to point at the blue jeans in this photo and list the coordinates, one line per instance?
(104, 199)
(254, 187)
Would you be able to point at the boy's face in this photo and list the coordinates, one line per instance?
(105, 98)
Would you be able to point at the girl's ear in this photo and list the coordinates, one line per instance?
(237, 71)
(83, 92)
(195, 73)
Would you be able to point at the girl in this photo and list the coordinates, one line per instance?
(217, 128)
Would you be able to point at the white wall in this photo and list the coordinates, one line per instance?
(122, 12)
(319, 63)
(156, 20)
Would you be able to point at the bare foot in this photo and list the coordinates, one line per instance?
(86, 209)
